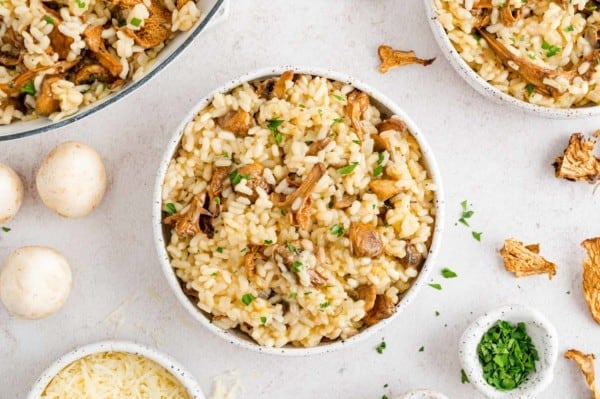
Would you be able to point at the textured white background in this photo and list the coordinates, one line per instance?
(497, 158)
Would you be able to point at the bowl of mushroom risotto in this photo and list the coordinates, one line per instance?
(297, 211)
(65, 59)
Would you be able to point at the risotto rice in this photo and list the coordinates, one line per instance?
(297, 213)
(541, 51)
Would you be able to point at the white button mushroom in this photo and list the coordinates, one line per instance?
(34, 282)
(71, 180)
(11, 193)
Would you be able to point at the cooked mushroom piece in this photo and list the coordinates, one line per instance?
(345, 202)
(413, 258)
(316, 278)
(217, 181)
(305, 188)
(590, 33)
(156, 29)
(287, 253)
(357, 104)
(45, 103)
(384, 189)
(368, 293)
(317, 146)
(9, 60)
(188, 224)
(60, 43)
(383, 308)
(393, 123)
(280, 85)
(578, 161)
(365, 240)
(510, 17)
(92, 73)
(253, 254)
(391, 58)
(93, 38)
(237, 122)
(254, 176)
(302, 216)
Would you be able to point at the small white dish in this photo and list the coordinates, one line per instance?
(184, 377)
(486, 89)
(422, 394)
(544, 338)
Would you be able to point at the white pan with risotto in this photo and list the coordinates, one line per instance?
(297, 211)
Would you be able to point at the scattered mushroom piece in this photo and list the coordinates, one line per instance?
(287, 252)
(393, 123)
(368, 293)
(317, 146)
(578, 161)
(217, 181)
(60, 43)
(254, 173)
(9, 60)
(93, 38)
(343, 203)
(316, 278)
(591, 276)
(383, 308)
(305, 188)
(237, 122)
(265, 88)
(92, 73)
(384, 189)
(302, 217)
(156, 29)
(525, 260)
(365, 240)
(357, 104)
(590, 33)
(252, 255)
(45, 103)
(14, 88)
(280, 85)
(508, 16)
(391, 58)
(413, 257)
(586, 365)
(188, 224)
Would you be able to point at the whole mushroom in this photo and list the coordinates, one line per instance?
(11, 193)
(35, 282)
(72, 179)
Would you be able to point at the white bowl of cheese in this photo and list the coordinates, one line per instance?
(98, 371)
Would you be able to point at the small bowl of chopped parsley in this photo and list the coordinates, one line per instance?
(509, 352)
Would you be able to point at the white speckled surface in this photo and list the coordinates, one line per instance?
(497, 158)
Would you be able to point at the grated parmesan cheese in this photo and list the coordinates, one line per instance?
(111, 375)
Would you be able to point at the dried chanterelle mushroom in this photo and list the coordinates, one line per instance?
(591, 276)
(586, 365)
(391, 58)
(578, 161)
(525, 260)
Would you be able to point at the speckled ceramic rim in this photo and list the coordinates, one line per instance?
(547, 347)
(239, 338)
(113, 98)
(181, 374)
(486, 89)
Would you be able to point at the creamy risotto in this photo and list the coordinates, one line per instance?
(297, 213)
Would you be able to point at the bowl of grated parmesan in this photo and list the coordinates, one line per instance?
(115, 369)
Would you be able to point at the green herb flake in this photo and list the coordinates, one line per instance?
(477, 235)
(80, 4)
(292, 295)
(385, 385)
(477, 36)
(324, 305)
(421, 349)
(292, 248)
(569, 28)
(466, 213)
(235, 177)
(170, 207)
(6, 229)
(29, 88)
(378, 171)
(301, 106)
(247, 299)
(225, 154)
(436, 286)
(502, 5)
(297, 266)
(243, 250)
(530, 89)
(135, 22)
(379, 348)
(268, 242)
(356, 142)
(49, 20)
(346, 170)
(220, 250)
(437, 313)
(307, 293)
(551, 50)
(337, 230)
(384, 397)
(463, 377)
(217, 200)
(340, 98)
(531, 57)
(263, 319)
(336, 121)
(320, 111)
(447, 273)
(507, 355)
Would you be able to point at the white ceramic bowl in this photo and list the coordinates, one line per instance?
(423, 394)
(544, 338)
(486, 89)
(184, 377)
(161, 235)
(211, 10)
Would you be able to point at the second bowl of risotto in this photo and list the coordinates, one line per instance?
(541, 56)
(297, 210)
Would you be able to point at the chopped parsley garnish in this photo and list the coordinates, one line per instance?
(466, 213)
(530, 88)
(248, 298)
(214, 274)
(263, 319)
(243, 250)
(531, 57)
(171, 208)
(502, 5)
(307, 293)
(379, 348)
(122, 22)
(337, 230)
(384, 397)
(217, 200)
(220, 250)
(507, 355)
(569, 28)
(80, 4)
(320, 111)
(301, 106)
(356, 142)
(324, 305)
(29, 88)
(293, 295)
(421, 349)
(437, 313)
(49, 20)
(297, 266)
(477, 235)
(235, 177)
(268, 242)
(273, 126)
(447, 273)
(135, 22)
(379, 168)
(341, 98)
(225, 154)
(385, 385)
(463, 377)
(292, 248)
(436, 286)
(551, 50)
(477, 36)
(6, 229)
(346, 170)
(336, 121)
